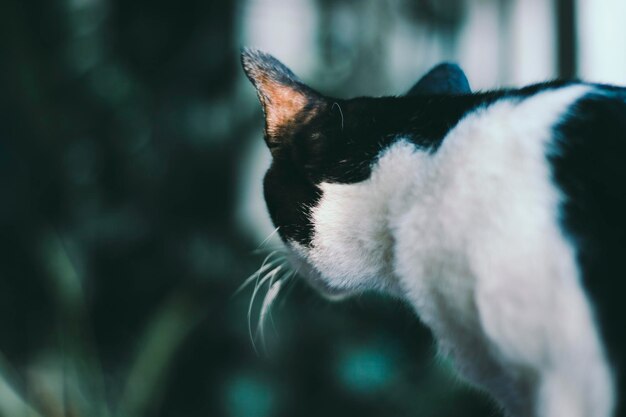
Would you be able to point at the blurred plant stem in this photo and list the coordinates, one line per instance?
(83, 379)
(166, 332)
(11, 402)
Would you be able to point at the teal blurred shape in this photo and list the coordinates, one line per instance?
(249, 396)
(366, 369)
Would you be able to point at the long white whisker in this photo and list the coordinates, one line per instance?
(264, 250)
(276, 273)
(255, 275)
(268, 237)
(272, 277)
(287, 289)
(290, 287)
(285, 280)
(265, 265)
(259, 284)
(269, 298)
(259, 271)
(268, 302)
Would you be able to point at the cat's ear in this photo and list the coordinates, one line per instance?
(286, 100)
(446, 78)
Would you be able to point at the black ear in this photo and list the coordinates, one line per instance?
(445, 78)
(286, 100)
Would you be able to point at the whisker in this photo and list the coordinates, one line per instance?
(272, 273)
(289, 289)
(261, 269)
(286, 279)
(257, 285)
(268, 238)
(269, 298)
(261, 251)
(265, 265)
(340, 112)
(253, 277)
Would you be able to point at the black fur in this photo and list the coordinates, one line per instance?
(588, 165)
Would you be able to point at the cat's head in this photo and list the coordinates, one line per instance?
(319, 143)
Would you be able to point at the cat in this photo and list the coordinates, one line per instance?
(500, 217)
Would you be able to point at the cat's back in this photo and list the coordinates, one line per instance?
(527, 194)
(588, 165)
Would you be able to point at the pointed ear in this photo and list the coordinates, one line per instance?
(285, 99)
(445, 78)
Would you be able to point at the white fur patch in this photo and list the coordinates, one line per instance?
(470, 237)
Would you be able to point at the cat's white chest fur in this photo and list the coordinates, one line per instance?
(469, 236)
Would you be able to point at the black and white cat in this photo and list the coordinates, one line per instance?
(500, 217)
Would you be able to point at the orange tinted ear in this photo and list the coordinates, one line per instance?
(285, 99)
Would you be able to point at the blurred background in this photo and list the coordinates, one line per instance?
(131, 161)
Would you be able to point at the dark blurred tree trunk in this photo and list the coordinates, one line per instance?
(567, 47)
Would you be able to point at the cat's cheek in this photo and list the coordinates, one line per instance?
(298, 256)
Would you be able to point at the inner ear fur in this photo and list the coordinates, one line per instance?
(286, 100)
(283, 105)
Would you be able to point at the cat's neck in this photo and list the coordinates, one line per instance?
(354, 222)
